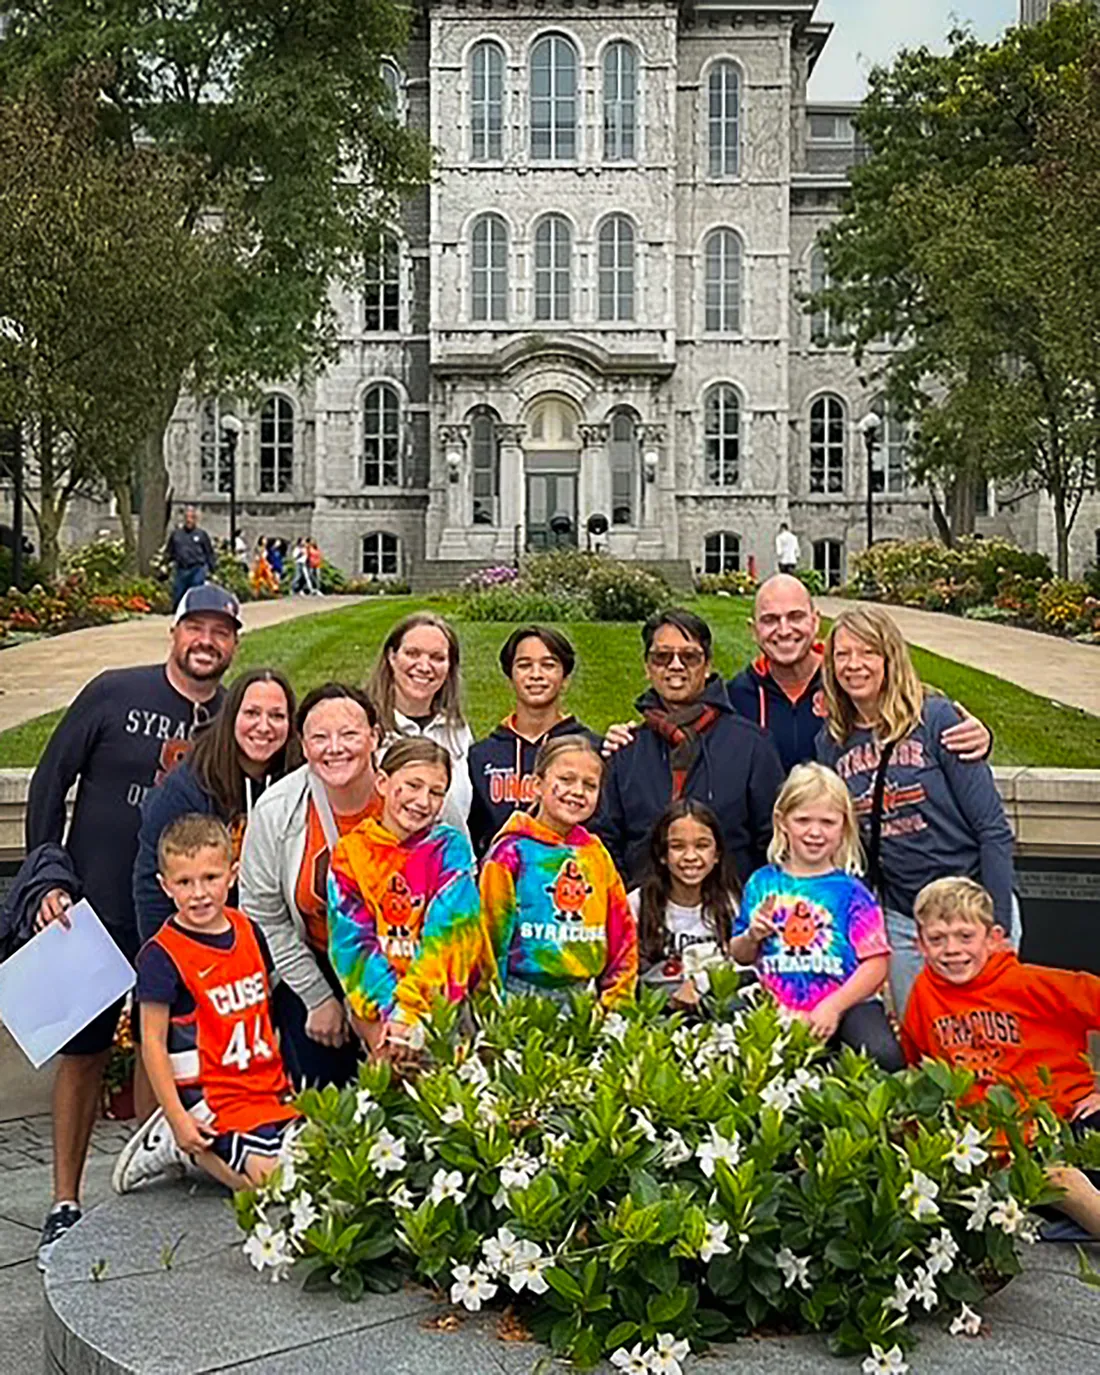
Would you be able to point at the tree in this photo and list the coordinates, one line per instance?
(954, 247)
(96, 271)
(283, 106)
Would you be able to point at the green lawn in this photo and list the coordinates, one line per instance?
(342, 644)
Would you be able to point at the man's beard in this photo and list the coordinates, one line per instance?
(202, 675)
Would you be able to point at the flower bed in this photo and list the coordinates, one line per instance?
(565, 585)
(637, 1185)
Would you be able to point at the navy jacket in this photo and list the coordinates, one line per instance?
(793, 726)
(502, 770)
(737, 774)
(46, 867)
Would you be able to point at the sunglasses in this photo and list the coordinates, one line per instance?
(664, 658)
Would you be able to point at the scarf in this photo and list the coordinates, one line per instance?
(682, 727)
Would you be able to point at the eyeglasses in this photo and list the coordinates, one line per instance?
(664, 658)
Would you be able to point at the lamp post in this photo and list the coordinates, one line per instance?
(12, 331)
(869, 428)
(231, 429)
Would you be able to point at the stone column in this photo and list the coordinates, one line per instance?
(656, 473)
(510, 441)
(454, 443)
(594, 487)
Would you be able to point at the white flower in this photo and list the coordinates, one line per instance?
(881, 1362)
(902, 1296)
(267, 1249)
(714, 1241)
(471, 1287)
(667, 1355)
(472, 1071)
(966, 1151)
(488, 1109)
(644, 1125)
(500, 1251)
(401, 1197)
(518, 1170)
(451, 1114)
(719, 1147)
(777, 1095)
(920, 1195)
(514, 1060)
(288, 1178)
(942, 1253)
(302, 1214)
(1009, 1217)
(980, 1201)
(924, 1288)
(553, 1143)
(364, 1101)
(805, 1081)
(795, 1269)
(724, 1038)
(447, 1184)
(526, 1273)
(675, 1150)
(387, 1153)
(967, 1324)
(635, 1362)
(616, 1026)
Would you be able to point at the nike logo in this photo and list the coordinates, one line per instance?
(203, 973)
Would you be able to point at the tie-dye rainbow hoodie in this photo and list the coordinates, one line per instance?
(556, 910)
(404, 920)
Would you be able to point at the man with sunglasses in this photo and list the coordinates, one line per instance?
(691, 744)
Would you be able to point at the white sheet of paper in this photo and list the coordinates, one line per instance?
(53, 987)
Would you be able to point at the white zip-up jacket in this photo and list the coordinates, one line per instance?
(457, 742)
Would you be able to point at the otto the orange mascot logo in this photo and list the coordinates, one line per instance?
(801, 927)
(570, 891)
(399, 908)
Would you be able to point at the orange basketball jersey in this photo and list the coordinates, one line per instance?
(226, 1047)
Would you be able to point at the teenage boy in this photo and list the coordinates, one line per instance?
(538, 661)
(207, 1038)
(977, 1007)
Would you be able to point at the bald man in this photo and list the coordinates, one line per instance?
(781, 690)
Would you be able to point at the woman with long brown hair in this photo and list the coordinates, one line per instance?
(251, 743)
(924, 814)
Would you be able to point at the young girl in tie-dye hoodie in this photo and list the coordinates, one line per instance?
(404, 918)
(554, 905)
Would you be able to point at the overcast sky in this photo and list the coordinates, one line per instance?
(866, 32)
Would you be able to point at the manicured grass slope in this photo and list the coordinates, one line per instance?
(343, 644)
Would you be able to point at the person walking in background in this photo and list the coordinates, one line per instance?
(787, 551)
(190, 551)
(276, 552)
(262, 580)
(301, 582)
(315, 560)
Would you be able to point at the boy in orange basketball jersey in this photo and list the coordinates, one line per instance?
(207, 1038)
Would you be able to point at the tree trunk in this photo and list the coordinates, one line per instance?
(52, 501)
(1061, 534)
(124, 500)
(155, 496)
(939, 517)
(964, 504)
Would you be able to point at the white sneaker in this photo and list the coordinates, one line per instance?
(150, 1153)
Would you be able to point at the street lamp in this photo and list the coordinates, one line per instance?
(231, 429)
(12, 331)
(869, 428)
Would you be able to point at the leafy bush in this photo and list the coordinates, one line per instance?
(811, 580)
(516, 603)
(564, 585)
(233, 576)
(499, 575)
(985, 612)
(632, 1179)
(103, 563)
(562, 571)
(617, 592)
(33, 571)
(1063, 606)
(734, 584)
(333, 580)
(905, 569)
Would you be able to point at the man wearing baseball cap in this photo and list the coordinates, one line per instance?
(124, 731)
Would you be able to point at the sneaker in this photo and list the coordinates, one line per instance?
(150, 1153)
(59, 1219)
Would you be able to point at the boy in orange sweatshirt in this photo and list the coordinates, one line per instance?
(977, 1007)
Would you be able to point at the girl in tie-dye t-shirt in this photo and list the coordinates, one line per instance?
(814, 932)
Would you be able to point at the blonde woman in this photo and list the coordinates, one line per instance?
(814, 932)
(415, 686)
(923, 812)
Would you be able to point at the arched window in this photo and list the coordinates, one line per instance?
(381, 437)
(489, 268)
(553, 99)
(895, 438)
(381, 555)
(393, 81)
(622, 457)
(276, 445)
(722, 282)
(486, 103)
(382, 287)
(485, 459)
(722, 553)
(829, 561)
(616, 269)
(724, 120)
(722, 413)
(213, 453)
(620, 102)
(823, 328)
(553, 269)
(828, 432)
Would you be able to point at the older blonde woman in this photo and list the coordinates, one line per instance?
(924, 814)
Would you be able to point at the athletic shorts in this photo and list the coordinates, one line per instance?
(99, 1034)
(266, 1140)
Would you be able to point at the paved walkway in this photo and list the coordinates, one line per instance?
(1059, 670)
(47, 674)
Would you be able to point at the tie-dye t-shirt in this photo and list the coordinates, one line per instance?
(824, 927)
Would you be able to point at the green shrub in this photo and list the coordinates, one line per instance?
(734, 584)
(333, 579)
(617, 592)
(985, 612)
(33, 571)
(561, 571)
(231, 574)
(515, 603)
(567, 585)
(905, 569)
(630, 1178)
(102, 561)
(811, 580)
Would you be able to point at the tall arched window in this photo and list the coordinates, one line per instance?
(276, 445)
(489, 268)
(823, 328)
(381, 555)
(616, 269)
(622, 458)
(485, 462)
(382, 287)
(553, 269)
(486, 102)
(828, 432)
(895, 438)
(213, 454)
(392, 79)
(722, 425)
(620, 102)
(829, 561)
(722, 281)
(724, 120)
(553, 99)
(722, 553)
(381, 436)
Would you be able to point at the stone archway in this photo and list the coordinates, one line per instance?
(551, 466)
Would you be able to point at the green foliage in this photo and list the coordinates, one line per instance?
(731, 584)
(811, 580)
(567, 584)
(333, 579)
(103, 562)
(630, 1177)
(231, 574)
(376, 587)
(514, 603)
(33, 571)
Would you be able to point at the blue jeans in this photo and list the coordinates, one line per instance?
(185, 579)
(906, 961)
